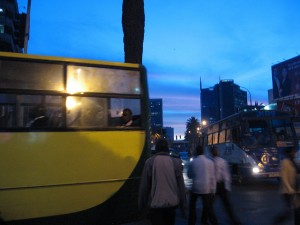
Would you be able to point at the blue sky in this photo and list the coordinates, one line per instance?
(184, 40)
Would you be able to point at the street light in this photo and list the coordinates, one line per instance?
(249, 95)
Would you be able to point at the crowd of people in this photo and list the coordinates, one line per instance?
(162, 188)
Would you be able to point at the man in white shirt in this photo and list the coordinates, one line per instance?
(202, 172)
(223, 179)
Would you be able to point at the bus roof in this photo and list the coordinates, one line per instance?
(67, 60)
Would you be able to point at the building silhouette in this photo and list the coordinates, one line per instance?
(156, 113)
(168, 133)
(12, 27)
(221, 101)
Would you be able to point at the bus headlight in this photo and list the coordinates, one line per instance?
(255, 170)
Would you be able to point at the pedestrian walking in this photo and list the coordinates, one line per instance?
(223, 179)
(162, 187)
(202, 173)
(288, 188)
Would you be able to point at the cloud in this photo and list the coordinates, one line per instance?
(184, 40)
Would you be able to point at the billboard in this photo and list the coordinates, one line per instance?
(291, 106)
(286, 78)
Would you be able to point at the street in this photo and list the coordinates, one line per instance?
(255, 203)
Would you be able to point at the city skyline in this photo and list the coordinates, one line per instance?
(184, 42)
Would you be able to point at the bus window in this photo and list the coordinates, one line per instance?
(117, 105)
(215, 128)
(249, 140)
(86, 112)
(222, 136)
(228, 135)
(7, 117)
(92, 79)
(7, 111)
(282, 130)
(31, 76)
(30, 111)
(265, 137)
(284, 134)
(215, 138)
(257, 125)
(41, 111)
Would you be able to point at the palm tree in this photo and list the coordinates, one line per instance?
(133, 22)
(192, 133)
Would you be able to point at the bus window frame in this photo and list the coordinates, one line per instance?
(139, 70)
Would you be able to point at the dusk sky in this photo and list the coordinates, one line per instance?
(184, 40)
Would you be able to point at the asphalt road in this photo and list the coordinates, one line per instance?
(255, 203)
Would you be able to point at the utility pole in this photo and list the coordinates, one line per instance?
(249, 95)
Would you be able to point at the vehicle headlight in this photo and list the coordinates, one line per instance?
(255, 170)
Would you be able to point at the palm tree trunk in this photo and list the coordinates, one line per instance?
(133, 22)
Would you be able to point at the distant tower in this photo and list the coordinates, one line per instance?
(210, 104)
(156, 112)
(169, 133)
(222, 100)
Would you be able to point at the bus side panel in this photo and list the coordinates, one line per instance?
(64, 172)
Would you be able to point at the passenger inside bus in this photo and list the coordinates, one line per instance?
(249, 140)
(38, 117)
(261, 137)
(127, 119)
(281, 136)
(265, 137)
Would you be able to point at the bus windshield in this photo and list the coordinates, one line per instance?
(262, 133)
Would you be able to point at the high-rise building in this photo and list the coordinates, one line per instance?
(210, 104)
(156, 113)
(222, 100)
(12, 27)
(169, 133)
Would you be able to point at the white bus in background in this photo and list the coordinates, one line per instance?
(252, 142)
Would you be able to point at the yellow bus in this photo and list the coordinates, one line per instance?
(64, 156)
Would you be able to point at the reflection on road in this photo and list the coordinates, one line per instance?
(187, 181)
